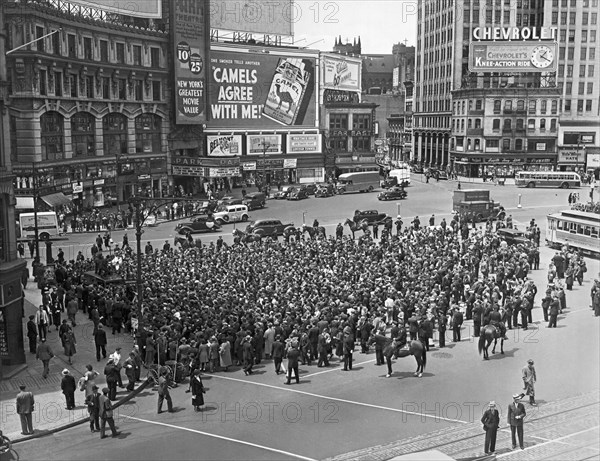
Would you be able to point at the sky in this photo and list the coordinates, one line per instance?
(379, 23)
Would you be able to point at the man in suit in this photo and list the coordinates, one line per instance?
(293, 355)
(111, 372)
(100, 341)
(42, 321)
(490, 421)
(68, 387)
(322, 348)
(457, 321)
(32, 334)
(163, 393)
(44, 353)
(25, 406)
(248, 355)
(93, 403)
(277, 353)
(516, 413)
(348, 348)
(106, 414)
(529, 379)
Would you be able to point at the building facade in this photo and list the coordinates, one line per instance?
(89, 117)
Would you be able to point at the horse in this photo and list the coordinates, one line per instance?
(417, 349)
(314, 232)
(354, 227)
(239, 236)
(183, 242)
(290, 233)
(486, 335)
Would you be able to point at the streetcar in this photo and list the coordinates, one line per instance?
(577, 229)
(562, 179)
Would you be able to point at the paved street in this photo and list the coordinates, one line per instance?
(331, 413)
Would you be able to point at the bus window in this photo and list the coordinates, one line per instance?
(587, 230)
(579, 229)
(556, 224)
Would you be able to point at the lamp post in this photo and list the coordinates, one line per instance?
(35, 212)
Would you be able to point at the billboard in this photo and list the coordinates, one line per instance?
(303, 143)
(513, 56)
(340, 73)
(256, 16)
(223, 146)
(263, 144)
(190, 43)
(138, 9)
(261, 90)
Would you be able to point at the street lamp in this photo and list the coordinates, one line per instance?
(35, 212)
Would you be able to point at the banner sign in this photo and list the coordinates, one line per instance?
(263, 144)
(341, 73)
(513, 56)
(77, 187)
(593, 161)
(223, 172)
(571, 156)
(190, 39)
(303, 143)
(206, 162)
(257, 90)
(290, 162)
(249, 166)
(224, 146)
(188, 170)
(337, 96)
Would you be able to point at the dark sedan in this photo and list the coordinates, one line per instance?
(199, 224)
(298, 194)
(371, 216)
(395, 193)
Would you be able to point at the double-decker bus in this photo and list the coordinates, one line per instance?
(577, 229)
(562, 179)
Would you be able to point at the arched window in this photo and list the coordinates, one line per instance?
(114, 133)
(53, 136)
(83, 134)
(147, 133)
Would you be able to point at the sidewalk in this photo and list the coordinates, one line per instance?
(50, 413)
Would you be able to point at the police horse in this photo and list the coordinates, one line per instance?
(355, 227)
(488, 334)
(418, 350)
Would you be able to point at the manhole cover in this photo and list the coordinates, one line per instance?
(441, 355)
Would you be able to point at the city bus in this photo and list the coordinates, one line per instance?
(577, 229)
(365, 181)
(562, 179)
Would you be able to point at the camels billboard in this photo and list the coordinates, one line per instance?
(251, 89)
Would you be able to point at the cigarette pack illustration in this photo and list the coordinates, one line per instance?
(284, 102)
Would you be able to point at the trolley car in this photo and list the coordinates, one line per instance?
(577, 229)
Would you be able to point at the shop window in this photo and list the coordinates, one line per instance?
(148, 133)
(83, 134)
(52, 134)
(114, 133)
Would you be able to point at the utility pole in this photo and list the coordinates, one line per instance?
(35, 210)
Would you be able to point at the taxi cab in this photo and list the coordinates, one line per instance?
(231, 213)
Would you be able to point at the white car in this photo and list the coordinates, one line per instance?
(231, 213)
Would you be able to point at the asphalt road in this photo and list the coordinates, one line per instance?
(331, 411)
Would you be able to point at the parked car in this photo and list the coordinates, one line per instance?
(298, 194)
(207, 207)
(325, 190)
(283, 193)
(231, 213)
(513, 236)
(267, 227)
(417, 169)
(442, 174)
(311, 189)
(199, 224)
(254, 200)
(371, 216)
(394, 193)
(229, 200)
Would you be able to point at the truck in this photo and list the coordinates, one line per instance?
(476, 203)
(47, 225)
(397, 177)
(365, 181)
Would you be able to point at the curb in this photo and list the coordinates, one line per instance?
(43, 433)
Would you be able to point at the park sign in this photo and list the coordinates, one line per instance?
(190, 48)
(513, 56)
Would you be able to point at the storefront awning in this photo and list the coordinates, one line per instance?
(24, 203)
(56, 199)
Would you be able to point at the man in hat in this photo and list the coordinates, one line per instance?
(44, 353)
(106, 414)
(100, 342)
(93, 404)
(277, 353)
(42, 321)
(529, 379)
(490, 421)
(348, 348)
(248, 355)
(25, 405)
(116, 356)
(32, 334)
(516, 413)
(163, 392)
(293, 356)
(68, 387)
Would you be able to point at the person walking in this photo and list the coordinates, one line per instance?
(42, 320)
(68, 387)
(25, 405)
(44, 353)
(225, 354)
(69, 344)
(277, 353)
(100, 342)
(293, 355)
(554, 311)
(106, 414)
(130, 371)
(93, 404)
(32, 334)
(348, 348)
(529, 379)
(198, 391)
(163, 393)
(111, 372)
(516, 413)
(248, 355)
(89, 380)
(490, 421)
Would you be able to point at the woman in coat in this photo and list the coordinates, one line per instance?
(225, 354)
(89, 376)
(69, 343)
(213, 354)
(197, 391)
(203, 355)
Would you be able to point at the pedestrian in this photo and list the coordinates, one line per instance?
(32, 334)
(25, 405)
(106, 414)
(457, 321)
(42, 321)
(348, 348)
(277, 353)
(248, 355)
(31, 246)
(130, 372)
(89, 377)
(293, 355)
(44, 353)
(110, 371)
(491, 421)
(442, 324)
(100, 342)
(225, 354)
(68, 387)
(529, 379)
(21, 250)
(163, 392)
(72, 307)
(69, 344)
(116, 357)
(198, 391)
(554, 311)
(93, 405)
(516, 413)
